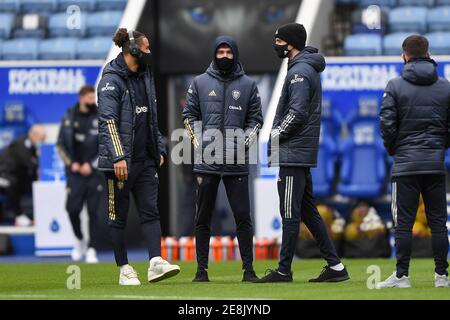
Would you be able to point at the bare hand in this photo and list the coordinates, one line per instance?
(86, 169)
(161, 160)
(120, 170)
(75, 167)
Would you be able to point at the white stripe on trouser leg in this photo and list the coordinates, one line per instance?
(394, 203)
(290, 197)
(285, 196)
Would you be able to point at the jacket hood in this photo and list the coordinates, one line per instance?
(119, 66)
(310, 56)
(420, 71)
(237, 67)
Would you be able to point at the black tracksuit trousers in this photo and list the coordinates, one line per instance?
(143, 183)
(239, 199)
(80, 190)
(297, 204)
(406, 192)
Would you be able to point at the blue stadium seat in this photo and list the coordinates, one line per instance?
(58, 49)
(392, 43)
(363, 168)
(381, 3)
(84, 5)
(419, 3)
(323, 176)
(9, 6)
(367, 109)
(363, 45)
(363, 156)
(94, 48)
(15, 121)
(439, 19)
(439, 43)
(331, 119)
(408, 19)
(442, 3)
(103, 23)
(58, 26)
(6, 25)
(360, 24)
(41, 6)
(111, 4)
(20, 49)
(32, 26)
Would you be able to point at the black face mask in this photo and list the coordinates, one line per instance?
(91, 106)
(281, 50)
(145, 60)
(224, 64)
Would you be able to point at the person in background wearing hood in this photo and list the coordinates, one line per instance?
(415, 126)
(131, 150)
(18, 170)
(78, 147)
(293, 146)
(223, 98)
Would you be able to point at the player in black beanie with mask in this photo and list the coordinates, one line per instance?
(222, 99)
(293, 146)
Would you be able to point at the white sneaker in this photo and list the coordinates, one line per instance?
(394, 282)
(23, 221)
(441, 281)
(79, 250)
(128, 276)
(160, 269)
(91, 256)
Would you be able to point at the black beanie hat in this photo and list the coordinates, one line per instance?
(294, 34)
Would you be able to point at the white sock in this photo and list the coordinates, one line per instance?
(122, 267)
(338, 267)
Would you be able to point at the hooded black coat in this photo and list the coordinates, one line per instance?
(294, 140)
(415, 119)
(221, 101)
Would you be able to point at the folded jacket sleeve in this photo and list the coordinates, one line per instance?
(109, 104)
(299, 90)
(191, 113)
(254, 118)
(388, 119)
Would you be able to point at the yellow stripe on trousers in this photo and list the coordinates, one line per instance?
(111, 209)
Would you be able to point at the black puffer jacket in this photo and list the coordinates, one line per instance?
(116, 116)
(221, 102)
(294, 140)
(415, 119)
(66, 137)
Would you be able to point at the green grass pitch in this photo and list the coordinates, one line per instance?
(48, 281)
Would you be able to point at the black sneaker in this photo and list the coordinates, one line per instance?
(330, 275)
(250, 276)
(201, 276)
(275, 276)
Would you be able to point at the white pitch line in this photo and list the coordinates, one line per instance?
(132, 297)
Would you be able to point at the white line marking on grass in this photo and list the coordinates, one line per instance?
(120, 296)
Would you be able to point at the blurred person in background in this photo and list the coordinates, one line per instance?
(131, 150)
(18, 170)
(78, 147)
(415, 126)
(294, 147)
(223, 98)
